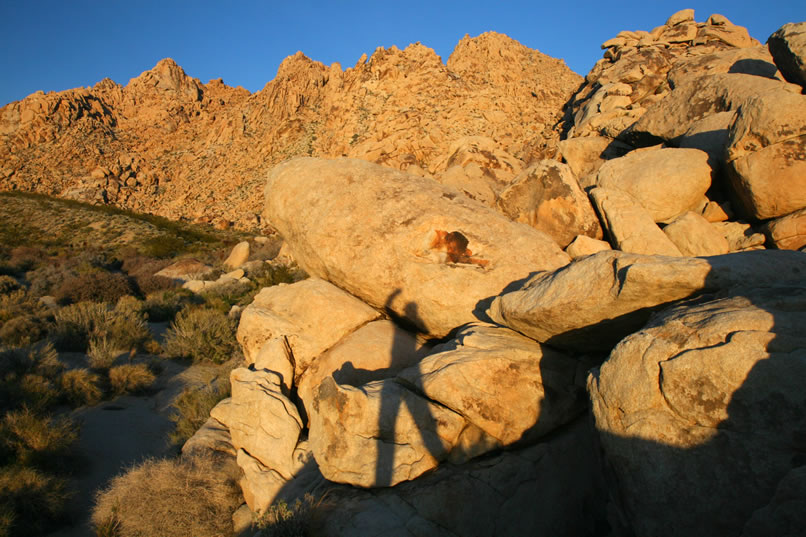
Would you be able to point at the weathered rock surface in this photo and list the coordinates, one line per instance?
(553, 488)
(584, 245)
(695, 236)
(767, 155)
(238, 256)
(788, 48)
(261, 419)
(379, 434)
(786, 512)
(419, 250)
(788, 232)
(596, 301)
(631, 228)
(666, 182)
(312, 314)
(511, 387)
(696, 412)
(547, 196)
(377, 350)
(185, 270)
(213, 436)
(741, 236)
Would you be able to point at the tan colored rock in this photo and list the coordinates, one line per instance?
(511, 387)
(485, 153)
(716, 212)
(379, 434)
(376, 351)
(596, 301)
(185, 270)
(754, 61)
(788, 232)
(584, 155)
(666, 182)
(696, 237)
(631, 228)
(238, 256)
(211, 438)
(786, 512)
(707, 394)
(275, 355)
(684, 15)
(741, 236)
(699, 97)
(261, 419)
(419, 250)
(788, 46)
(471, 182)
(710, 134)
(547, 197)
(313, 315)
(584, 245)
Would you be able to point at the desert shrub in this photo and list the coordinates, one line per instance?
(280, 520)
(130, 378)
(23, 330)
(77, 324)
(102, 352)
(203, 334)
(225, 295)
(149, 283)
(193, 408)
(96, 286)
(163, 246)
(36, 439)
(128, 503)
(8, 284)
(273, 274)
(164, 305)
(32, 503)
(15, 304)
(80, 387)
(136, 265)
(24, 258)
(25, 376)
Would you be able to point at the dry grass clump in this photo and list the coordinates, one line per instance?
(130, 378)
(8, 284)
(162, 306)
(169, 498)
(80, 387)
(23, 330)
(203, 334)
(280, 520)
(27, 375)
(193, 408)
(35, 439)
(31, 502)
(78, 324)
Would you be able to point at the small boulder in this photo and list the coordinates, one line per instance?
(788, 48)
(788, 232)
(185, 270)
(584, 245)
(695, 236)
(238, 256)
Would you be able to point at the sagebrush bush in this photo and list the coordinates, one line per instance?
(16, 303)
(23, 330)
(31, 502)
(130, 378)
(27, 375)
(36, 439)
(169, 498)
(163, 306)
(150, 283)
(96, 286)
(102, 352)
(80, 387)
(76, 324)
(203, 334)
(193, 408)
(138, 265)
(8, 284)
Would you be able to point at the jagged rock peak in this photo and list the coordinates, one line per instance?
(167, 75)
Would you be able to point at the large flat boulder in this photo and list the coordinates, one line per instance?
(379, 434)
(666, 182)
(511, 387)
(313, 315)
(700, 414)
(547, 197)
(596, 301)
(400, 242)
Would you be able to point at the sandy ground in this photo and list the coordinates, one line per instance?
(122, 432)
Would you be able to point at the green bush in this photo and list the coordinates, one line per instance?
(203, 334)
(193, 408)
(130, 378)
(96, 286)
(32, 503)
(169, 498)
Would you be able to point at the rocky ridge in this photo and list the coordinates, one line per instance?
(168, 144)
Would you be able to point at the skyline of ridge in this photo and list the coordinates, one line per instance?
(54, 46)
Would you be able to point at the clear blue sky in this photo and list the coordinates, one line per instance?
(53, 45)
